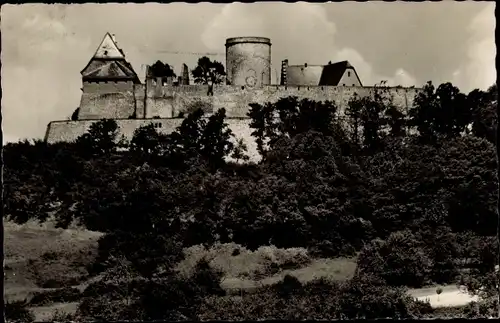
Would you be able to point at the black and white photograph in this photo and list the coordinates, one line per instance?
(250, 161)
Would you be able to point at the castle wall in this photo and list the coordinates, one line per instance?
(107, 100)
(122, 100)
(140, 100)
(68, 131)
(169, 101)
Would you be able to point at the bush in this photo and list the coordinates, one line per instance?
(17, 312)
(289, 285)
(400, 261)
(482, 309)
(147, 252)
(165, 296)
(362, 297)
(263, 262)
(207, 279)
(328, 249)
(61, 316)
(367, 297)
(62, 295)
(112, 299)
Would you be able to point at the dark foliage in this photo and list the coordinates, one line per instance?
(163, 70)
(62, 295)
(17, 312)
(415, 194)
(208, 72)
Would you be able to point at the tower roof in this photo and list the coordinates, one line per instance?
(109, 48)
(109, 63)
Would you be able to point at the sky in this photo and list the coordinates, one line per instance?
(44, 47)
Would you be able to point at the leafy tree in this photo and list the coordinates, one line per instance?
(353, 112)
(163, 70)
(187, 137)
(400, 261)
(368, 297)
(239, 151)
(440, 112)
(147, 140)
(290, 116)
(17, 311)
(215, 139)
(208, 71)
(439, 290)
(30, 180)
(101, 138)
(485, 114)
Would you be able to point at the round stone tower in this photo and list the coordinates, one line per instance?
(248, 61)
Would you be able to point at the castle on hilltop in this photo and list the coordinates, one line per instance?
(111, 89)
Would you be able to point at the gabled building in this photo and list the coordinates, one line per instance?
(332, 74)
(108, 64)
(110, 84)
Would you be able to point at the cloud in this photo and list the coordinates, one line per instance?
(479, 71)
(36, 91)
(302, 34)
(367, 74)
(44, 48)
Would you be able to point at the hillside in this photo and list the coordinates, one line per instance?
(362, 219)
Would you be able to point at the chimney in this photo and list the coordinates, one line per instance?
(284, 68)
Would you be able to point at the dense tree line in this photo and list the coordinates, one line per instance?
(414, 194)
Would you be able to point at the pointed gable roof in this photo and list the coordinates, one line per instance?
(109, 64)
(332, 73)
(108, 48)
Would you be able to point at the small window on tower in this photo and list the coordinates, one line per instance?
(349, 74)
(105, 52)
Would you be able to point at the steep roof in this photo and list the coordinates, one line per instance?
(332, 73)
(109, 63)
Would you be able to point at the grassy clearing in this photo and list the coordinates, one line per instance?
(46, 313)
(41, 258)
(244, 269)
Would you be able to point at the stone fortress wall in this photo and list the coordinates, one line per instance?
(67, 131)
(161, 105)
(169, 101)
(133, 104)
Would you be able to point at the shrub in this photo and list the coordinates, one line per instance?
(290, 284)
(58, 283)
(170, 298)
(17, 312)
(482, 309)
(367, 297)
(165, 296)
(400, 261)
(61, 316)
(207, 279)
(147, 252)
(256, 264)
(62, 295)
